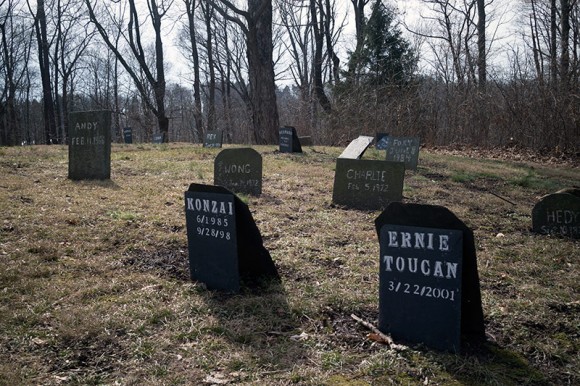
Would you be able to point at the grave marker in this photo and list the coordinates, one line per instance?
(367, 184)
(403, 149)
(213, 138)
(357, 147)
(289, 142)
(429, 285)
(225, 246)
(558, 214)
(128, 135)
(89, 151)
(158, 138)
(239, 170)
(381, 141)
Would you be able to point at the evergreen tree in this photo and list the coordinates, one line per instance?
(386, 56)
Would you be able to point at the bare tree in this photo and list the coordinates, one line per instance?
(15, 47)
(154, 74)
(256, 24)
(40, 26)
(190, 7)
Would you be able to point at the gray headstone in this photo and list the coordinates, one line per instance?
(239, 170)
(213, 138)
(226, 250)
(89, 151)
(428, 284)
(289, 142)
(558, 214)
(367, 184)
(357, 147)
(128, 135)
(158, 138)
(403, 149)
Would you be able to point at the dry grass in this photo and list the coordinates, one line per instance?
(95, 289)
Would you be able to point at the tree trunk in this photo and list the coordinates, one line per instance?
(261, 72)
(44, 64)
(481, 46)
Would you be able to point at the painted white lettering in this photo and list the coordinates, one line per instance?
(388, 260)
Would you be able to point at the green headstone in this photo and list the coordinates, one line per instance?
(559, 214)
(403, 149)
(89, 151)
(239, 170)
(367, 184)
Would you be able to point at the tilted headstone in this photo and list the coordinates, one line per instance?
(356, 148)
(128, 135)
(428, 284)
(158, 138)
(381, 140)
(226, 250)
(558, 214)
(367, 184)
(239, 170)
(289, 142)
(213, 138)
(89, 151)
(403, 149)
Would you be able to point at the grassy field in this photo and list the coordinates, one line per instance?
(95, 287)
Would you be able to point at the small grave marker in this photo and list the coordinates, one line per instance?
(558, 214)
(89, 151)
(356, 148)
(225, 246)
(429, 285)
(381, 141)
(289, 142)
(239, 170)
(367, 184)
(403, 149)
(213, 138)
(128, 135)
(158, 138)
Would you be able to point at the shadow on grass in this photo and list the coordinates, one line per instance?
(490, 364)
(260, 322)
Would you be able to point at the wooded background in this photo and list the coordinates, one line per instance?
(256, 65)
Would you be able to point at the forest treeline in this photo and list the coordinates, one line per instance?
(256, 65)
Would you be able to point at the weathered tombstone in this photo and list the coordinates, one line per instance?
(403, 149)
(289, 142)
(428, 284)
(558, 214)
(367, 184)
(381, 141)
(239, 170)
(356, 148)
(89, 151)
(213, 138)
(226, 250)
(128, 135)
(158, 138)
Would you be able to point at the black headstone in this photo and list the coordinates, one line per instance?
(356, 148)
(429, 284)
(289, 142)
(213, 138)
(89, 151)
(403, 149)
(367, 184)
(381, 140)
(128, 135)
(226, 250)
(158, 138)
(558, 214)
(239, 170)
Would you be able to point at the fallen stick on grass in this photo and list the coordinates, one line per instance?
(377, 335)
